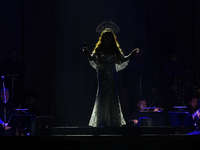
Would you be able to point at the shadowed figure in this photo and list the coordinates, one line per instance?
(107, 58)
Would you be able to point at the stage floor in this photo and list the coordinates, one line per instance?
(116, 131)
(126, 138)
(123, 138)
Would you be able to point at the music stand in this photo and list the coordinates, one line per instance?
(178, 118)
(157, 117)
(21, 121)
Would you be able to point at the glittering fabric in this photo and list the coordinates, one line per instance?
(107, 109)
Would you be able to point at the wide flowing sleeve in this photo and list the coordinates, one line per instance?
(121, 63)
(121, 66)
(93, 61)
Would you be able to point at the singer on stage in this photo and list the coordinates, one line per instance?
(107, 58)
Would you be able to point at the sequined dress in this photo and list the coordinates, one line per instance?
(107, 109)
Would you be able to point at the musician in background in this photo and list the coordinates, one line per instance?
(10, 109)
(29, 103)
(193, 104)
(195, 112)
(134, 117)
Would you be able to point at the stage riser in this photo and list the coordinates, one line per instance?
(122, 131)
(100, 143)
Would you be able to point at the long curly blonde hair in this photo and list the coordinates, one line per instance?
(115, 47)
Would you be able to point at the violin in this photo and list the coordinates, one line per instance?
(154, 109)
(196, 114)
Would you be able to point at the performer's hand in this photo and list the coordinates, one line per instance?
(85, 50)
(6, 127)
(135, 121)
(136, 50)
(156, 109)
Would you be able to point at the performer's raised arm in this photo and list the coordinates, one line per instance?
(87, 52)
(123, 61)
(134, 51)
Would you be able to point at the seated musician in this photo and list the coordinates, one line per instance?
(30, 104)
(195, 111)
(134, 117)
(10, 109)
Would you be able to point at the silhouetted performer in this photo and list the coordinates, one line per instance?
(107, 58)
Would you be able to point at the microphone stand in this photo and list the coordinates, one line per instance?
(4, 92)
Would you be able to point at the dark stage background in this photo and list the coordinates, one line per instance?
(49, 34)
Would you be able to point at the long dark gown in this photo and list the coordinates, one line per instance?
(107, 109)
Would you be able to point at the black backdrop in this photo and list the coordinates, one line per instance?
(49, 35)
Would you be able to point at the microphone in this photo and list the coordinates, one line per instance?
(84, 44)
(84, 47)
